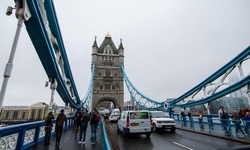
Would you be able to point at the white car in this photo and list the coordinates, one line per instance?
(161, 121)
(114, 117)
(105, 113)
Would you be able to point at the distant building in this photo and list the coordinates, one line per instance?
(131, 105)
(34, 112)
(229, 104)
(237, 100)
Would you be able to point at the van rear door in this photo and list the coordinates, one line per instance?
(139, 122)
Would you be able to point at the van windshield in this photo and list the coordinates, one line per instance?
(138, 115)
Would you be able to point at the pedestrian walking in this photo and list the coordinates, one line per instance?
(225, 122)
(183, 116)
(84, 125)
(190, 119)
(48, 127)
(94, 120)
(200, 118)
(237, 122)
(59, 125)
(223, 118)
(78, 122)
(247, 124)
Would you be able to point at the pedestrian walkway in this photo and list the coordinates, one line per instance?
(69, 142)
(214, 130)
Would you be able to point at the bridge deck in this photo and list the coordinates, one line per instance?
(68, 141)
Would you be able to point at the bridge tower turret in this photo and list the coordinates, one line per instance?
(108, 79)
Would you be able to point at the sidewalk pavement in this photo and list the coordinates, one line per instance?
(214, 130)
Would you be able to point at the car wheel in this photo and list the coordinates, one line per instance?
(124, 134)
(172, 130)
(154, 128)
(118, 128)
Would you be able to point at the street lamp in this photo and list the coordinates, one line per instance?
(22, 14)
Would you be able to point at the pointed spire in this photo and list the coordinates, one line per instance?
(121, 46)
(95, 43)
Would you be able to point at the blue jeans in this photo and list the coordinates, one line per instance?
(93, 132)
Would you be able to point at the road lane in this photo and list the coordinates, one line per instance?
(181, 140)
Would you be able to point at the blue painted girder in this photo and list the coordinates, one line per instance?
(40, 39)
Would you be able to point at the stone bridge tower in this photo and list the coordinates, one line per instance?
(108, 80)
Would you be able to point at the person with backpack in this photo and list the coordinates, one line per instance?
(94, 120)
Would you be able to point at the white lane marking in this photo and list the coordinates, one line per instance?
(183, 146)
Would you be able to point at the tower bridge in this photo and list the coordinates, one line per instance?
(107, 77)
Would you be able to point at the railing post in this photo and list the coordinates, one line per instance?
(37, 133)
(21, 137)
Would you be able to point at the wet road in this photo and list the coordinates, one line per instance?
(181, 140)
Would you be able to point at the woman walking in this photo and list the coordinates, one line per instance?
(48, 127)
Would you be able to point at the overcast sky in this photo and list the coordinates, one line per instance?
(170, 45)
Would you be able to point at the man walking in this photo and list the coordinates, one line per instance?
(84, 125)
(94, 120)
(59, 126)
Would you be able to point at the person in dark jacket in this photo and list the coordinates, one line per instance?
(78, 122)
(48, 127)
(84, 125)
(59, 126)
(94, 120)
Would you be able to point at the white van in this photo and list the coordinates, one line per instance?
(135, 122)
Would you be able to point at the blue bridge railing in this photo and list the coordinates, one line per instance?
(22, 136)
(211, 124)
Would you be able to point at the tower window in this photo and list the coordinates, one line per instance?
(107, 86)
(107, 73)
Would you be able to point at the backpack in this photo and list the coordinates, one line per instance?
(223, 116)
(97, 117)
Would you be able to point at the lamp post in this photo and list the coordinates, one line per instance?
(22, 14)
